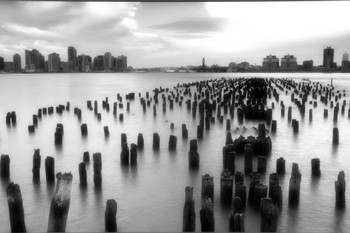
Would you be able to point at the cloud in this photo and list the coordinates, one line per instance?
(194, 25)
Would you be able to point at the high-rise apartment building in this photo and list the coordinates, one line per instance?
(308, 65)
(271, 62)
(328, 58)
(84, 63)
(107, 61)
(54, 63)
(289, 63)
(123, 62)
(2, 65)
(34, 61)
(17, 64)
(98, 62)
(345, 62)
(72, 58)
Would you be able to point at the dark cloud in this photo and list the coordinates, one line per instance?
(194, 25)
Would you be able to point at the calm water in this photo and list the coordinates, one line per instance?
(151, 196)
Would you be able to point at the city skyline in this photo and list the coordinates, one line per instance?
(175, 34)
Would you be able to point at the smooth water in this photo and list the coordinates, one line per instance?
(151, 196)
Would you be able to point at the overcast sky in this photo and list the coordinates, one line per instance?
(175, 34)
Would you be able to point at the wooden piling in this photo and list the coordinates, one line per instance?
(172, 142)
(260, 191)
(110, 216)
(294, 185)
(97, 170)
(36, 165)
(274, 126)
(340, 186)
(335, 136)
(280, 166)
(241, 192)
(268, 216)
(254, 180)
(208, 186)
(50, 169)
(261, 164)
(140, 141)
(15, 205)
(106, 131)
(84, 130)
(124, 154)
(184, 131)
(60, 203)
(207, 216)
(133, 154)
(248, 159)
(236, 222)
(193, 156)
(5, 167)
(226, 186)
(189, 215)
(82, 175)
(156, 140)
(315, 167)
(86, 157)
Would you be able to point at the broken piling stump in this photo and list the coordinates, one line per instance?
(50, 169)
(208, 186)
(110, 216)
(5, 167)
(340, 186)
(268, 215)
(315, 167)
(15, 205)
(97, 170)
(189, 215)
(82, 175)
(294, 185)
(207, 215)
(36, 165)
(193, 156)
(172, 142)
(133, 154)
(156, 140)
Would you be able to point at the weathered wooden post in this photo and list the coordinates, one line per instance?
(156, 140)
(315, 167)
(280, 166)
(248, 158)
(340, 186)
(199, 132)
(82, 175)
(140, 141)
(15, 204)
(84, 130)
(260, 191)
(189, 215)
(106, 131)
(273, 180)
(31, 129)
(310, 115)
(208, 186)
(133, 154)
(97, 170)
(239, 177)
(269, 216)
(184, 131)
(325, 113)
(50, 169)
(335, 136)
(193, 156)
(254, 180)
(261, 164)
(121, 117)
(241, 192)
(294, 185)
(86, 157)
(274, 126)
(123, 139)
(236, 216)
(60, 203)
(59, 134)
(289, 114)
(172, 142)
(124, 155)
(36, 165)
(228, 124)
(276, 196)
(207, 215)
(110, 216)
(226, 186)
(5, 167)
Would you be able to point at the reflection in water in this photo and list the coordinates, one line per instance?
(293, 218)
(314, 183)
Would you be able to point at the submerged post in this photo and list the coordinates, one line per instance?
(269, 216)
(60, 203)
(207, 215)
(36, 165)
(97, 170)
(340, 186)
(15, 204)
(189, 214)
(110, 216)
(5, 167)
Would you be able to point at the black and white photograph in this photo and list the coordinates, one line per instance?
(174, 116)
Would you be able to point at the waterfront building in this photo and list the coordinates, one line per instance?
(35, 62)
(2, 65)
(98, 62)
(308, 65)
(84, 63)
(123, 63)
(17, 64)
(72, 58)
(107, 61)
(8, 66)
(345, 62)
(328, 58)
(289, 63)
(54, 63)
(270, 63)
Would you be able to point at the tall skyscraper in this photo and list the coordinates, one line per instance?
(345, 62)
(271, 62)
(98, 62)
(107, 61)
(54, 63)
(289, 62)
(203, 63)
(328, 58)
(2, 66)
(72, 58)
(34, 61)
(123, 62)
(17, 64)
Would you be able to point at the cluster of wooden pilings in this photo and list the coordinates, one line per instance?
(208, 102)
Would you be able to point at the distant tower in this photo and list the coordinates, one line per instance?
(203, 63)
(72, 58)
(345, 62)
(328, 58)
(17, 62)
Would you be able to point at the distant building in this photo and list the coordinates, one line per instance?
(72, 58)
(345, 63)
(54, 63)
(203, 63)
(328, 58)
(270, 63)
(123, 63)
(8, 66)
(2, 65)
(308, 65)
(98, 63)
(84, 63)
(289, 63)
(17, 64)
(35, 62)
(107, 61)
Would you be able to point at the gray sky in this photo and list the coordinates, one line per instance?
(175, 34)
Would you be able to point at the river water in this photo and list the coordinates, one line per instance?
(151, 196)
